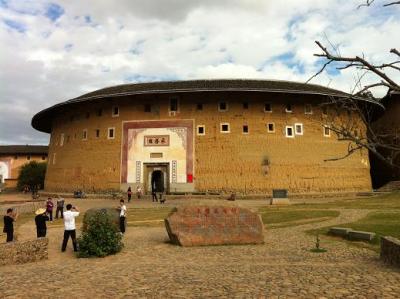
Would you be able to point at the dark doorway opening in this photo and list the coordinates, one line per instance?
(157, 181)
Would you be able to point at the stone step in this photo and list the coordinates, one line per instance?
(339, 231)
(356, 235)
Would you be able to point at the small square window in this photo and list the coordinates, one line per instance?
(28, 157)
(97, 133)
(201, 130)
(298, 129)
(327, 131)
(111, 133)
(324, 110)
(267, 107)
(115, 111)
(224, 128)
(84, 134)
(271, 128)
(222, 106)
(147, 108)
(43, 158)
(199, 106)
(245, 129)
(99, 112)
(308, 109)
(288, 108)
(245, 105)
(15, 157)
(289, 132)
(173, 104)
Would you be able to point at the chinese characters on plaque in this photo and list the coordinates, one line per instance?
(156, 140)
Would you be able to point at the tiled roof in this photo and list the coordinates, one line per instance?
(23, 149)
(42, 120)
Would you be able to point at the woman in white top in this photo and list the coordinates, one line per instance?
(122, 215)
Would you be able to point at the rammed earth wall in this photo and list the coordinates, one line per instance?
(222, 161)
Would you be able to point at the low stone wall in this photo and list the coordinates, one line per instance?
(390, 250)
(23, 252)
(28, 207)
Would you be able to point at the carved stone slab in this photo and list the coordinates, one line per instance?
(214, 225)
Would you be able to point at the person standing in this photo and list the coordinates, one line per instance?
(49, 208)
(129, 194)
(9, 219)
(139, 191)
(60, 207)
(122, 215)
(40, 220)
(69, 227)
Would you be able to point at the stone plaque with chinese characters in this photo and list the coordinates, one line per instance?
(156, 140)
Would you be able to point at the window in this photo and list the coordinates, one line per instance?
(271, 128)
(201, 130)
(111, 133)
(288, 108)
(224, 127)
(62, 139)
(43, 158)
(97, 133)
(147, 108)
(324, 110)
(115, 111)
(173, 104)
(308, 109)
(15, 157)
(245, 105)
(100, 112)
(222, 106)
(267, 107)
(28, 157)
(327, 131)
(245, 129)
(289, 132)
(84, 134)
(67, 138)
(298, 129)
(199, 106)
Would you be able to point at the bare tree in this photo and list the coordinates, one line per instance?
(357, 128)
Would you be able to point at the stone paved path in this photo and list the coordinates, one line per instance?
(149, 267)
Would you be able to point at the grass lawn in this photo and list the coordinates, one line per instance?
(147, 216)
(381, 223)
(287, 216)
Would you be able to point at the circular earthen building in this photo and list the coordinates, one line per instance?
(246, 136)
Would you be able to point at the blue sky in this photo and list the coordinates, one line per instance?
(55, 50)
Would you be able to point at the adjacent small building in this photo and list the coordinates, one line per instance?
(12, 157)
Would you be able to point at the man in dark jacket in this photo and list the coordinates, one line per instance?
(9, 219)
(40, 220)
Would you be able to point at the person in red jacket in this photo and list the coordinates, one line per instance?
(49, 208)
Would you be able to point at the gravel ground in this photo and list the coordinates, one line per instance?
(150, 267)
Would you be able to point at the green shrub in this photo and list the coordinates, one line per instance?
(100, 236)
(32, 174)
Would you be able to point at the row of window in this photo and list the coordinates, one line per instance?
(28, 157)
(290, 131)
(222, 107)
(110, 135)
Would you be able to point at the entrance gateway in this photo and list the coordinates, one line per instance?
(158, 153)
(156, 177)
